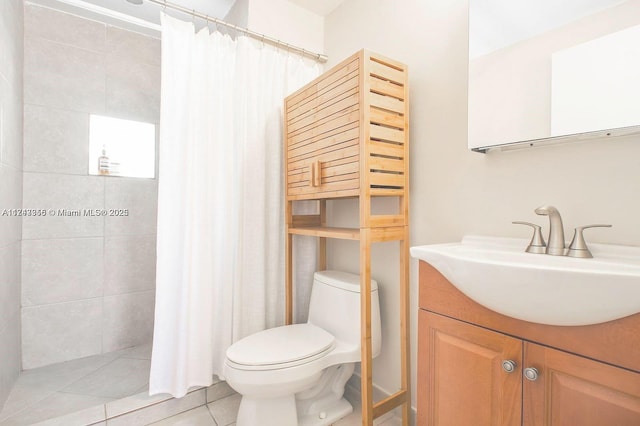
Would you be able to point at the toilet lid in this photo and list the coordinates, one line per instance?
(281, 345)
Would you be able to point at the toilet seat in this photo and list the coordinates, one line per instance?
(280, 347)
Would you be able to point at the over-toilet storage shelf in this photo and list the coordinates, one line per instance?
(347, 136)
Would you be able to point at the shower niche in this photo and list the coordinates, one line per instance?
(119, 147)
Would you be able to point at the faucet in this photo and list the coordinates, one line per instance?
(555, 242)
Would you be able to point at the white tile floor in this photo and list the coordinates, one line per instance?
(59, 389)
(223, 413)
(85, 385)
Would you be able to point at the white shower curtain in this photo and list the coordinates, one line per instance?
(220, 249)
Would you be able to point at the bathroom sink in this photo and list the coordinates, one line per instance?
(555, 290)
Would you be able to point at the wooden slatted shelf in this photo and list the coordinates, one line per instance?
(327, 232)
(378, 235)
(347, 136)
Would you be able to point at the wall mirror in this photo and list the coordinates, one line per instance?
(548, 71)
(120, 147)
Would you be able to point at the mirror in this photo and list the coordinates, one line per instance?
(120, 147)
(544, 71)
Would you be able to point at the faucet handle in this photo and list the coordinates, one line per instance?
(537, 244)
(578, 246)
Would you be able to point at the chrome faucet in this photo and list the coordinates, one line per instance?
(555, 242)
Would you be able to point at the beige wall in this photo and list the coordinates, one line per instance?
(454, 191)
(288, 22)
(239, 13)
(11, 63)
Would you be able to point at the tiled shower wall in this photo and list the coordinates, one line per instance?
(11, 62)
(87, 282)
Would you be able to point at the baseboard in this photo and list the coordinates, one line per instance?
(353, 395)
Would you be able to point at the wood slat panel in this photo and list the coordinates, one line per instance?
(379, 116)
(326, 232)
(350, 153)
(339, 73)
(294, 180)
(320, 83)
(339, 161)
(294, 175)
(326, 190)
(340, 185)
(330, 183)
(377, 221)
(301, 184)
(302, 177)
(386, 134)
(327, 171)
(386, 164)
(298, 140)
(342, 178)
(386, 88)
(320, 105)
(392, 233)
(338, 119)
(384, 72)
(306, 92)
(388, 149)
(387, 192)
(376, 57)
(320, 143)
(311, 120)
(318, 102)
(346, 193)
(387, 102)
(386, 179)
(327, 149)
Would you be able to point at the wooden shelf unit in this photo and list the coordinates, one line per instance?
(347, 136)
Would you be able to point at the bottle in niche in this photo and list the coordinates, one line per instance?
(103, 162)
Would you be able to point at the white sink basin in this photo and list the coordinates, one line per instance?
(556, 290)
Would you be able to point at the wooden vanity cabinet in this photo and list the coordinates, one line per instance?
(461, 380)
(460, 377)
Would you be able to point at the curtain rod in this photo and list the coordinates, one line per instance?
(317, 56)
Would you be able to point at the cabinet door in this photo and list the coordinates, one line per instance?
(322, 127)
(461, 380)
(572, 390)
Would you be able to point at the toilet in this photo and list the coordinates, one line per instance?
(295, 375)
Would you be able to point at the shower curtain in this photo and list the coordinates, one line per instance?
(220, 249)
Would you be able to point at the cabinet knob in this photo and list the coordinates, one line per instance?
(531, 374)
(509, 366)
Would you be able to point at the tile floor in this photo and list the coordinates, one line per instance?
(63, 388)
(115, 383)
(223, 413)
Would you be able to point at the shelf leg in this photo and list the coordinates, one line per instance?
(366, 367)
(288, 267)
(322, 242)
(405, 354)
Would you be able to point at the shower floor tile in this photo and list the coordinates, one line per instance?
(55, 390)
(118, 379)
(57, 404)
(198, 416)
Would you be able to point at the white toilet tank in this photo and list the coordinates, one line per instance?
(335, 307)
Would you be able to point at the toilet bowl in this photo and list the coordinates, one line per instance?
(295, 375)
